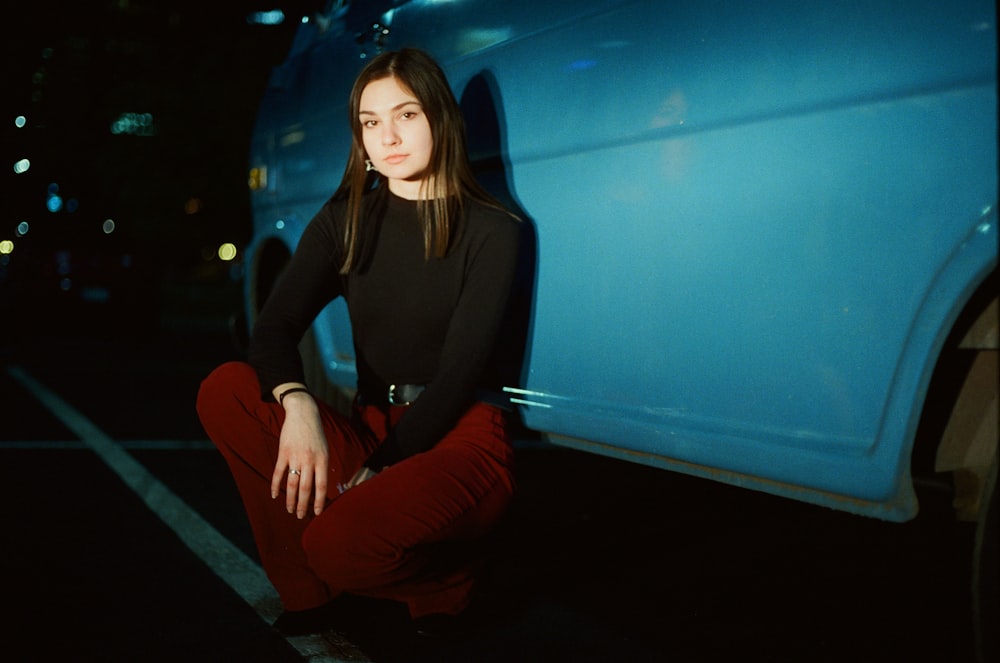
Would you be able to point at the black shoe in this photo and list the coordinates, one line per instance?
(306, 622)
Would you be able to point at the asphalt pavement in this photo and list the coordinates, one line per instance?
(124, 540)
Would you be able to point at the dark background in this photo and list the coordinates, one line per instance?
(191, 73)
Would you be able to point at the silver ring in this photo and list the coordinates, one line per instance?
(294, 472)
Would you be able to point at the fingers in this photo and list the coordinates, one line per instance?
(321, 487)
(298, 487)
(294, 485)
(278, 476)
(304, 488)
(305, 485)
(291, 491)
(300, 497)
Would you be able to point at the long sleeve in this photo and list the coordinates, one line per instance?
(309, 282)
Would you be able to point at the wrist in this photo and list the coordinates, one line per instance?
(293, 394)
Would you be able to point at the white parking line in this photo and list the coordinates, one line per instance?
(226, 560)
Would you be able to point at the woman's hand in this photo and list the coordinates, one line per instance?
(302, 455)
(362, 475)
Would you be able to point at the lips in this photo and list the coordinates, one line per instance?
(394, 159)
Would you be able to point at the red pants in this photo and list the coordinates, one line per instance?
(394, 536)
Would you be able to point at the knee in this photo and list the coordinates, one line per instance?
(226, 386)
(224, 381)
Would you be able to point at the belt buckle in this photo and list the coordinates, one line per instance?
(392, 396)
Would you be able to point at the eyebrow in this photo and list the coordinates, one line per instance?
(394, 108)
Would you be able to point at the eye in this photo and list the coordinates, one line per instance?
(408, 115)
(368, 124)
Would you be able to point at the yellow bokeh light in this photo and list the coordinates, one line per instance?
(258, 178)
(227, 251)
(6, 247)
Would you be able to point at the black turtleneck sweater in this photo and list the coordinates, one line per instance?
(415, 321)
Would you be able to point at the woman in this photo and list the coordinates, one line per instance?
(372, 504)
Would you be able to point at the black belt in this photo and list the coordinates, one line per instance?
(405, 394)
(396, 394)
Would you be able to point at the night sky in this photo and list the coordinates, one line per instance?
(139, 111)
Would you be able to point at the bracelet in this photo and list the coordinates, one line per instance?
(292, 390)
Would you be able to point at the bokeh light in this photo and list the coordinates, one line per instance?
(273, 17)
(134, 124)
(227, 251)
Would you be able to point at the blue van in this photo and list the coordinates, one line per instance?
(759, 230)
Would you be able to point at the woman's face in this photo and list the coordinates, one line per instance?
(396, 135)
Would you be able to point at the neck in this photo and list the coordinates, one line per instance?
(411, 189)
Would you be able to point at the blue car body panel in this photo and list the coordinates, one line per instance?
(756, 222)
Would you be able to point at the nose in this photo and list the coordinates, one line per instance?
(389, 134)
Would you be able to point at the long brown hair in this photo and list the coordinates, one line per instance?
(449, 171)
